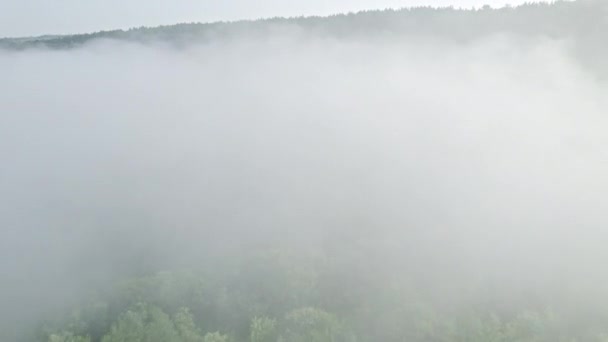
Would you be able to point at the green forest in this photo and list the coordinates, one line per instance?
(278, 295)
(295, 225)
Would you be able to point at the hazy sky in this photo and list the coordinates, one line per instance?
(37, 17)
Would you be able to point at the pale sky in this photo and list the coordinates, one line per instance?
(38, 17)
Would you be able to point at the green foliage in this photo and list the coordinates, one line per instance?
(264, 329)
(193, 307)
(68, 337)
(185, 326)
(313, 325)
(216, 337)
(145, 323)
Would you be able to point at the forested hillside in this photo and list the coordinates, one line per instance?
(582, 22)
(276, 295)
(419, 175)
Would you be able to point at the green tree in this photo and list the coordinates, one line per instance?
(263, 329)
(215, 337)
(68, 337)
(146, 324)
(187, 330)
(313, 325)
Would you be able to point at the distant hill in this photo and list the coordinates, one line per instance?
(583, 22)
(560, 19)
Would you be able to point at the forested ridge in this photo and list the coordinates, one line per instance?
(242, 252)
(583, 19)
(582, 23)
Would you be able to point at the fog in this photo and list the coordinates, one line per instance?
(451, 163)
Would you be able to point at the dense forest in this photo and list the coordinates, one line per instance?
(295, 246)
(276, 295)
(273, 296)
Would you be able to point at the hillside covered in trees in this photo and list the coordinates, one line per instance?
(284, 296)
(582, 22)
(419, 175)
